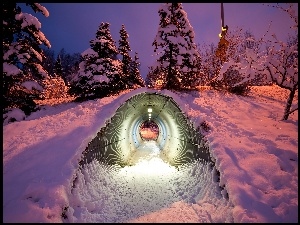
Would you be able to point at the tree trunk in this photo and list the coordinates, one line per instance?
(289, 104)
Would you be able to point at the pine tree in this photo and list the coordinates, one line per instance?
(22, 57)
(58, 71)
(100, 72)
(54, 87)
(49, 60)
(135, 76)
(179, 59)
(124, 50)
(104, 44)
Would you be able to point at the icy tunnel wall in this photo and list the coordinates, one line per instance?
(178, 140)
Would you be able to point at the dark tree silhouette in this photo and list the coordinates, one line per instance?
(58, 70)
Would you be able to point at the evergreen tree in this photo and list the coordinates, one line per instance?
(179, 60)
(22, 57)
(135, 76)
(58, 71)
(49, 60)
(54, 87)
(156, 78)
(124, 50)
(76, 59)
(100, 72)
(104, 44)
(63, 55)
(69, 63)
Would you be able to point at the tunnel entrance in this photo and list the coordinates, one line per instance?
(178, 139)
(149, 130)
(175, 167)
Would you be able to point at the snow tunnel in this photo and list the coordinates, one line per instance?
(179, 141)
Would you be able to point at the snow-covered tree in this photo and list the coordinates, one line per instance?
(179, 59)
(124, 50)
(22, 56)
(54, 87)
(135, 77)
(279, 64)
(212, 63)
(104, 44)
(130, 68)
(100, 72)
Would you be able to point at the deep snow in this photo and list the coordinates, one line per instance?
(256, 154)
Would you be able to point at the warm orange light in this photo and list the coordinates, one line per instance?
(223, 29)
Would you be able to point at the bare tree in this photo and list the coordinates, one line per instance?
(282, 66)
(279, 64)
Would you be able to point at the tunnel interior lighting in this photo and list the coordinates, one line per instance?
(149, 110)
(171, 135)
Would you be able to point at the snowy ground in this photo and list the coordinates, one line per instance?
(256, 154)
(148, 191)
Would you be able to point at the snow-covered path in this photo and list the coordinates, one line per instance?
(149, 191)
(147, 150)
(256, 154)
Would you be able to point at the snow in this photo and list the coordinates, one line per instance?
(174, 40)
(101, 78)
(28, 20)
(89, 52)
(256, 154)
(10, 69)
(42, 9)
(16, 114)
(37, 55)
(31, 85)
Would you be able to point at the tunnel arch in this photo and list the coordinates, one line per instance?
(180, 142)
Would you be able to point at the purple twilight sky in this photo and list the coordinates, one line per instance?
(73, 25)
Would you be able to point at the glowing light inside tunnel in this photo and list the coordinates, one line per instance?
(152, 167)
(122, 136)
(147, 161)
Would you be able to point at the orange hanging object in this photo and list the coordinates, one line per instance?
(222, 47)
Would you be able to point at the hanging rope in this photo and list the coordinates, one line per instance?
(223, 43)
(222, 15)
(223, 28)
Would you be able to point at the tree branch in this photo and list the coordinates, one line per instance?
(290, 112)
